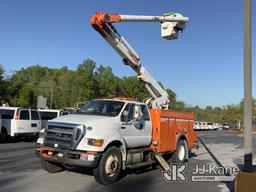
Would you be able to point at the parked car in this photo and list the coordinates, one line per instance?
(199, 125)
(203, 125)
(216, 126)
(18, 121)
(49, 114)
(225, 126)
(209, 126)
(196, 125)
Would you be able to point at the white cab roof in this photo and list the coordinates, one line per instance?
(50, 110)
(11, 108)
(125, 101)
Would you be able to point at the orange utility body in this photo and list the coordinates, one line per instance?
(168, 127)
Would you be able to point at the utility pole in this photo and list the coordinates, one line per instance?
(248, 86)
(51, 93)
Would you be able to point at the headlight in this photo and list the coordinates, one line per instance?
(95, 142)
(41, 133)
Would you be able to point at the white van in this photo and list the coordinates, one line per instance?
(209, 126)
(201, 125)
(49, 114)
(18, 121)
(196, 125)
(216, 126)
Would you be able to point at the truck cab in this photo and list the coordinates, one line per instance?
(102, 120)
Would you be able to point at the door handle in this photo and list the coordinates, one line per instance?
(127, 123)
(123, 127)
(34, 125)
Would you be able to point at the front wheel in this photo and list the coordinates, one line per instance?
(181, 153)
(109, 167)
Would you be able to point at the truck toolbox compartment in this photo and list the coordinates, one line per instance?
(168, 126)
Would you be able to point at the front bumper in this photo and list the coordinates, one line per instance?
(68, 157)
(30, 134)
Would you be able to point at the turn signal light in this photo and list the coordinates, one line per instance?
(95, 142)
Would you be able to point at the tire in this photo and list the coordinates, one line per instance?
(3, 135)
(181, 154)
(109, 168)
(51, 167)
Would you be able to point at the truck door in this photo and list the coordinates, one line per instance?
(22, 121)
(136, 132)
(35, 121)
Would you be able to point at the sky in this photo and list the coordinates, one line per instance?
(203, 67)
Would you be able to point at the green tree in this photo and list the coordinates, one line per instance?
(27, 83)
(67, 87)
(131, 87)
(231, 113)
(85, 80)
(64, 88)
(106, 82)
(172, 98)
(2, 84)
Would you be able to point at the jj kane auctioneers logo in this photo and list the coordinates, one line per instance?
(205, 172)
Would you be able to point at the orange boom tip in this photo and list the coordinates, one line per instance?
(101, 18)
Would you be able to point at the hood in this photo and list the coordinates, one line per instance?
(87, 120)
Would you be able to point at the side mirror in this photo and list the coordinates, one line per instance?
(124, 117)
(137, 112)
(125, 113)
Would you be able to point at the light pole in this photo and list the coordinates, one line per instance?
(248, 85)
(51, 94)
(51, 91)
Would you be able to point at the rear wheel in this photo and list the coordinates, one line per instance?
(109, 167)
(3, 135)
(51, 167)
(181, 153)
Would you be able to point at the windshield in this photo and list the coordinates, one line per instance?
(101, 107)
(46, 115)
(7, 114)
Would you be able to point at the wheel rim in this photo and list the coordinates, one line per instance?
(111, 165)
(181, 153)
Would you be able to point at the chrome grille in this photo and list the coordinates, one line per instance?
(62, 135)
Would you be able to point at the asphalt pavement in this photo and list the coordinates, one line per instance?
(20, 169)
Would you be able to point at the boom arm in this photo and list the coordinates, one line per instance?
(171, 25)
